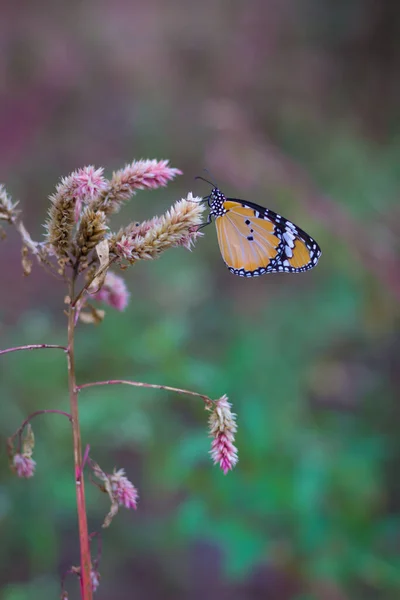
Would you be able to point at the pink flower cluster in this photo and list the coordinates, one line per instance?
(144, 174)
(23, 465)
(123, 490)
(223, 428)
(114, 292)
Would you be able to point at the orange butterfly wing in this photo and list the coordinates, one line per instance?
(254, 241)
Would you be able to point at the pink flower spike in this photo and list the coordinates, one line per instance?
(123, 490)
(142, 174)
(24, 466)
(114, 292)
(222, 423)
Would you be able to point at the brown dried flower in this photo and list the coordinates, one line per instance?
(61, 221)
(7, 208)
(92, 229)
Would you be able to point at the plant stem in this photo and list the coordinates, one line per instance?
(33, 347)
(86, 566)
(208, 401)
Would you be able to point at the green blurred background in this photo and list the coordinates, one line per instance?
(291, 104)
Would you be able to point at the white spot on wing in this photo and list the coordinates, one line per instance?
(288, 252)
(289, 238)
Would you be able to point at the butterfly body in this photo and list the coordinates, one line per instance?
(254, 240)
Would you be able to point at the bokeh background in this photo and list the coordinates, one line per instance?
(294, 105)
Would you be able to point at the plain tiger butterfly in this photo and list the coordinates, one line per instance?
(254, 240)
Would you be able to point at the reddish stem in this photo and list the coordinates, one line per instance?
(205, 398)
(33, 347)
(86, 563)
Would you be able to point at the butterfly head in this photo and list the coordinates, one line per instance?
(215, 199)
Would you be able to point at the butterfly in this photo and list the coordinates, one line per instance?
(254, 240)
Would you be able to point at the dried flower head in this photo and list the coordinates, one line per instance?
(114, 292)
(139, 175)
(176, 227)
(7, 208)
(92, 229)
(222, 423)
(91, 316)
(60, 224)
(28, 443)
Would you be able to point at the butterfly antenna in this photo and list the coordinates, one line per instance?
(209, 172)
(206, 180)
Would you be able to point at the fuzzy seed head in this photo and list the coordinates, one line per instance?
(177, 227)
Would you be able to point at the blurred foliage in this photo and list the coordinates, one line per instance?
(310, 362)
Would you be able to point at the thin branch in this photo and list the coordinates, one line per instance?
(33, 347)
(36, 248)
(208, 401)
(35, 414)
(89, 283)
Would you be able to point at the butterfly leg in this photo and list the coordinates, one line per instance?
(209, 220)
